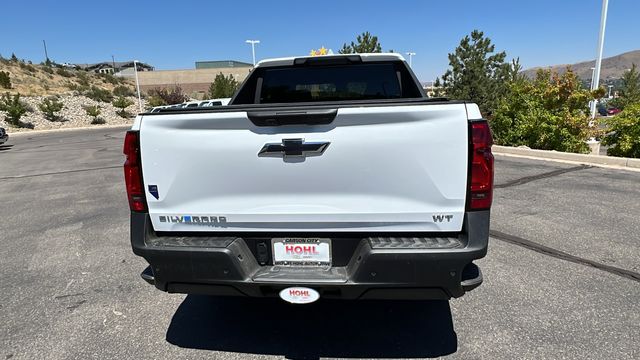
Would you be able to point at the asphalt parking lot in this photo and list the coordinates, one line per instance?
(562, 277)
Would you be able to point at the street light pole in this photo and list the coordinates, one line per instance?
(410, 53)
(135, 69)
(596, 80)
(253, 49)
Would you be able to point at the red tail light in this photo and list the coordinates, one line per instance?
(481, 177)
(133, 172)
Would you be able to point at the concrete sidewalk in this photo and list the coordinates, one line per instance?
(595, 160)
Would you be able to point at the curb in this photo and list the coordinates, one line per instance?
(36, 132)
(595, 160)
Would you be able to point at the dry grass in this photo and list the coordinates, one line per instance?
(35, 80)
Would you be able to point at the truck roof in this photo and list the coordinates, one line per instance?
(284, 61)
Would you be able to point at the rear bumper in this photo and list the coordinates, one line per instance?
(228, 265)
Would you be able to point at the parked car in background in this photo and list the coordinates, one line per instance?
(3, 136)
(194, 104)
(215, 102)
(191, 104)
(613, 111)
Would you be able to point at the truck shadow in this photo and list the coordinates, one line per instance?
(347, 329)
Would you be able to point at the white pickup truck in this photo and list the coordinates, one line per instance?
(327, 176)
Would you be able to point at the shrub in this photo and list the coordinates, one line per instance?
(14, 109)
(83, 78)
(624, 137)
(63, 72)
(110, 79)
(175, 96)
(94, 112)
(122, 103)
(122, 90)
(81, 89)
(98, 94)
(50, 107)
(5, 80)
(27, 67)
(47, 69)
(551, 113)
(154, 101)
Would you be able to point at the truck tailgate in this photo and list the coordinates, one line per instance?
(379, 169)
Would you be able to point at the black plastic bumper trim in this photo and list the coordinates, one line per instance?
(386, 272)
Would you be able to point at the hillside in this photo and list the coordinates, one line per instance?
(612, 67)
(75, 89)
(39, 80)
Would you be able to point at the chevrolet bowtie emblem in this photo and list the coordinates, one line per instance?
(293, 148)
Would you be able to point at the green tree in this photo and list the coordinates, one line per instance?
(222, 87)
(5, 80)
(629, 92)
(437, 88)
(94, 112)
(624, 137)
(14, 58)
(365, 43)
(122, 103)
(14, 108)
(50, 107)
(477, 72)
(550, 112)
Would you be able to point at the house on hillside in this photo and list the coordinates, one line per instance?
(110, 67)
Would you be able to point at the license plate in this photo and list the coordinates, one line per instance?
(302, 252)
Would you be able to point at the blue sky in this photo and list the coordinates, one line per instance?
(175, 34)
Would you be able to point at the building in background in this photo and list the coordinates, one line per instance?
(194, 82)
(221, 64)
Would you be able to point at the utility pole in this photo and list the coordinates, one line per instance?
(411, 54)
(46, 56)
(253, 49)
(113, 63)
(135, 69)
(596, 74)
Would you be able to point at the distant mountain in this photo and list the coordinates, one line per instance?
(612, 67)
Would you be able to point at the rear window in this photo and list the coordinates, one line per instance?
(362, 81)
(349, 82)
